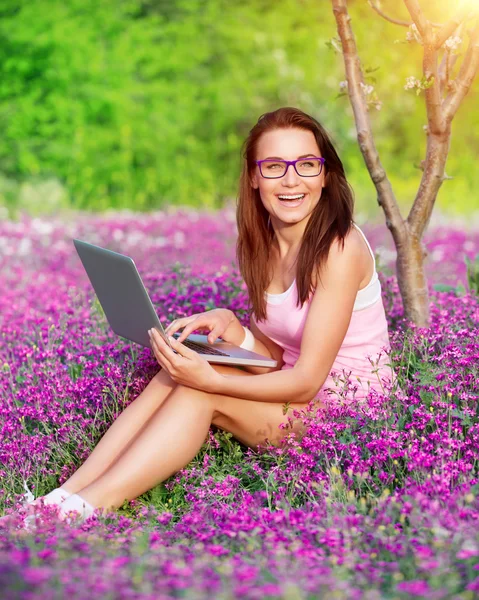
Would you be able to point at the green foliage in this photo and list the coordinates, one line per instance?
(473, 274)
(472, 279)
(136, 104)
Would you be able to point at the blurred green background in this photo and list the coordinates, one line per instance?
(138, 104)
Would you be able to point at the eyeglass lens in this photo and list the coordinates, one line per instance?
(277, 168)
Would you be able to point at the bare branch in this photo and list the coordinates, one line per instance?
(376, 7)
(450, 27)
(448, 62)
(463, 81)
(431, 181)
(445, 69)
(432, 93)
(354, 76)
(422, 24)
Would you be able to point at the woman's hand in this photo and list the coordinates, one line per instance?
(215, 321)
(185, 367)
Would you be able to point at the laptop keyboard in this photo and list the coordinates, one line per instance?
(201, 349)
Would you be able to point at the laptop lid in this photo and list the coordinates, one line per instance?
(130, 312)
(119, 278)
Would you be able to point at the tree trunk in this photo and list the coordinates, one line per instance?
(411, 252)
(412, 280)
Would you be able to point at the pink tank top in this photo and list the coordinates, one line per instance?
(367, 335)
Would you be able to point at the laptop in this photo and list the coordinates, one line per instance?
(130, 312)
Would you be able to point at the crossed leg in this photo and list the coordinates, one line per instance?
(174, 434)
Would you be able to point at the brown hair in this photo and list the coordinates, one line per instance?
(330, 219)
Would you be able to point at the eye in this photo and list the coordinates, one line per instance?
(308, 163)
(272, 166)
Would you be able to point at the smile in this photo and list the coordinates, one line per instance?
(291, 200)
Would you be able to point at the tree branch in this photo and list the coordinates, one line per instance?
(354, 77)
(463, 81)
(422, 24)
(450, 27)
(432, 93)
(375, 7)
(445, 69)
(433, 176)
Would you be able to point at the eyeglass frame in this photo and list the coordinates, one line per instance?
(288, 164)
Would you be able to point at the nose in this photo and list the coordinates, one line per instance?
(290, 178)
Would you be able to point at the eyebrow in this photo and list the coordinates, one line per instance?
(299, 157)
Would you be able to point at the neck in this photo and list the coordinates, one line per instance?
(288, 237)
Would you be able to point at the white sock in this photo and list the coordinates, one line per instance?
(76, 503)
(56, 496)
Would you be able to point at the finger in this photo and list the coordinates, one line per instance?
(182, 350)
(189, 328)
(214, 334)
(159, 359)
(157, 353)
(173, 326)
(179, 324)
(162, 351)
(160, 342)
(185, 333)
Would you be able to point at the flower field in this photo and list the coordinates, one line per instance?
(375, 501)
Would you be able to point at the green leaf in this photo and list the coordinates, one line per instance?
(442, 287)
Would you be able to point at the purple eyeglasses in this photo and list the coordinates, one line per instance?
(272, 168)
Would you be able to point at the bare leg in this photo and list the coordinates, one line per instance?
(175, 434)
(170, 440)
(122, 432)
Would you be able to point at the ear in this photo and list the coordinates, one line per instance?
(254, 181)
(326, 180)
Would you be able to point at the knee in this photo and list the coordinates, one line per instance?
(163, 378)
(195, 397)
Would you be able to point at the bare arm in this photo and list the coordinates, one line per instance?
(276, 386)
(262, 344)
(326, 325)
(222, 322)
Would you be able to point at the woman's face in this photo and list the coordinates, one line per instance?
(288, 144)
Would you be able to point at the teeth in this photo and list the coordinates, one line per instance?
(296, 197)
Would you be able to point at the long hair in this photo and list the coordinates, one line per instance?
(331, 219)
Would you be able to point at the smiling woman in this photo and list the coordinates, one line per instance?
(310, 271)
(316, 308)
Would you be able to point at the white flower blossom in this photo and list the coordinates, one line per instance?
(411, 83)
(413, 34)
(452, 43)
(368, 89)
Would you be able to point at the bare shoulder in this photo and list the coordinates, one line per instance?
(353, 246)
(353, 251)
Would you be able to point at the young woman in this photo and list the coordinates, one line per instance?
(316, 309)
